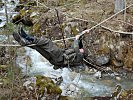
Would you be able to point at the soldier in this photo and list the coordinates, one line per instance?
(56, 56)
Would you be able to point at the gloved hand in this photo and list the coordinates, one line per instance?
(69, 56)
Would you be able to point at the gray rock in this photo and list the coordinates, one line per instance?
(102, 59)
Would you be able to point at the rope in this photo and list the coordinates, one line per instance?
(107, 27)
(86, 31)
(83, 32)
(106, 20)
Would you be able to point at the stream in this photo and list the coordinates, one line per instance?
(73, 83)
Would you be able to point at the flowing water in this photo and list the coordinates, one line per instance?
(84, 83)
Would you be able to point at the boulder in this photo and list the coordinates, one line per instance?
(102, 59)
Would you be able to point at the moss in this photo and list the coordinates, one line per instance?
(126, 95)
(45, 84)
(36, 28)
(74, 30)
(103, 50)
(22, 13)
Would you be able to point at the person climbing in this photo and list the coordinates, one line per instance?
(55, 55)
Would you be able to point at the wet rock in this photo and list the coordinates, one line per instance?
(118, 78)
(72, 87)
(102, 59)
(58, 80)
(92, 71)
(98, 75)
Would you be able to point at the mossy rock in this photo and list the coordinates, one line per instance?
(45, 84)
(36, 28)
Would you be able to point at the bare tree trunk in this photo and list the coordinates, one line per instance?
(119, 5)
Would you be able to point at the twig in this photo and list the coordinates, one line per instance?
(61, 28)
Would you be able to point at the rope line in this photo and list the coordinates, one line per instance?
(83, 32)
(106, 20)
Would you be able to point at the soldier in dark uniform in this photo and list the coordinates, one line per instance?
(56, 56)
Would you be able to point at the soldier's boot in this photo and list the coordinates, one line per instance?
(24, 35)
(20, 40)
